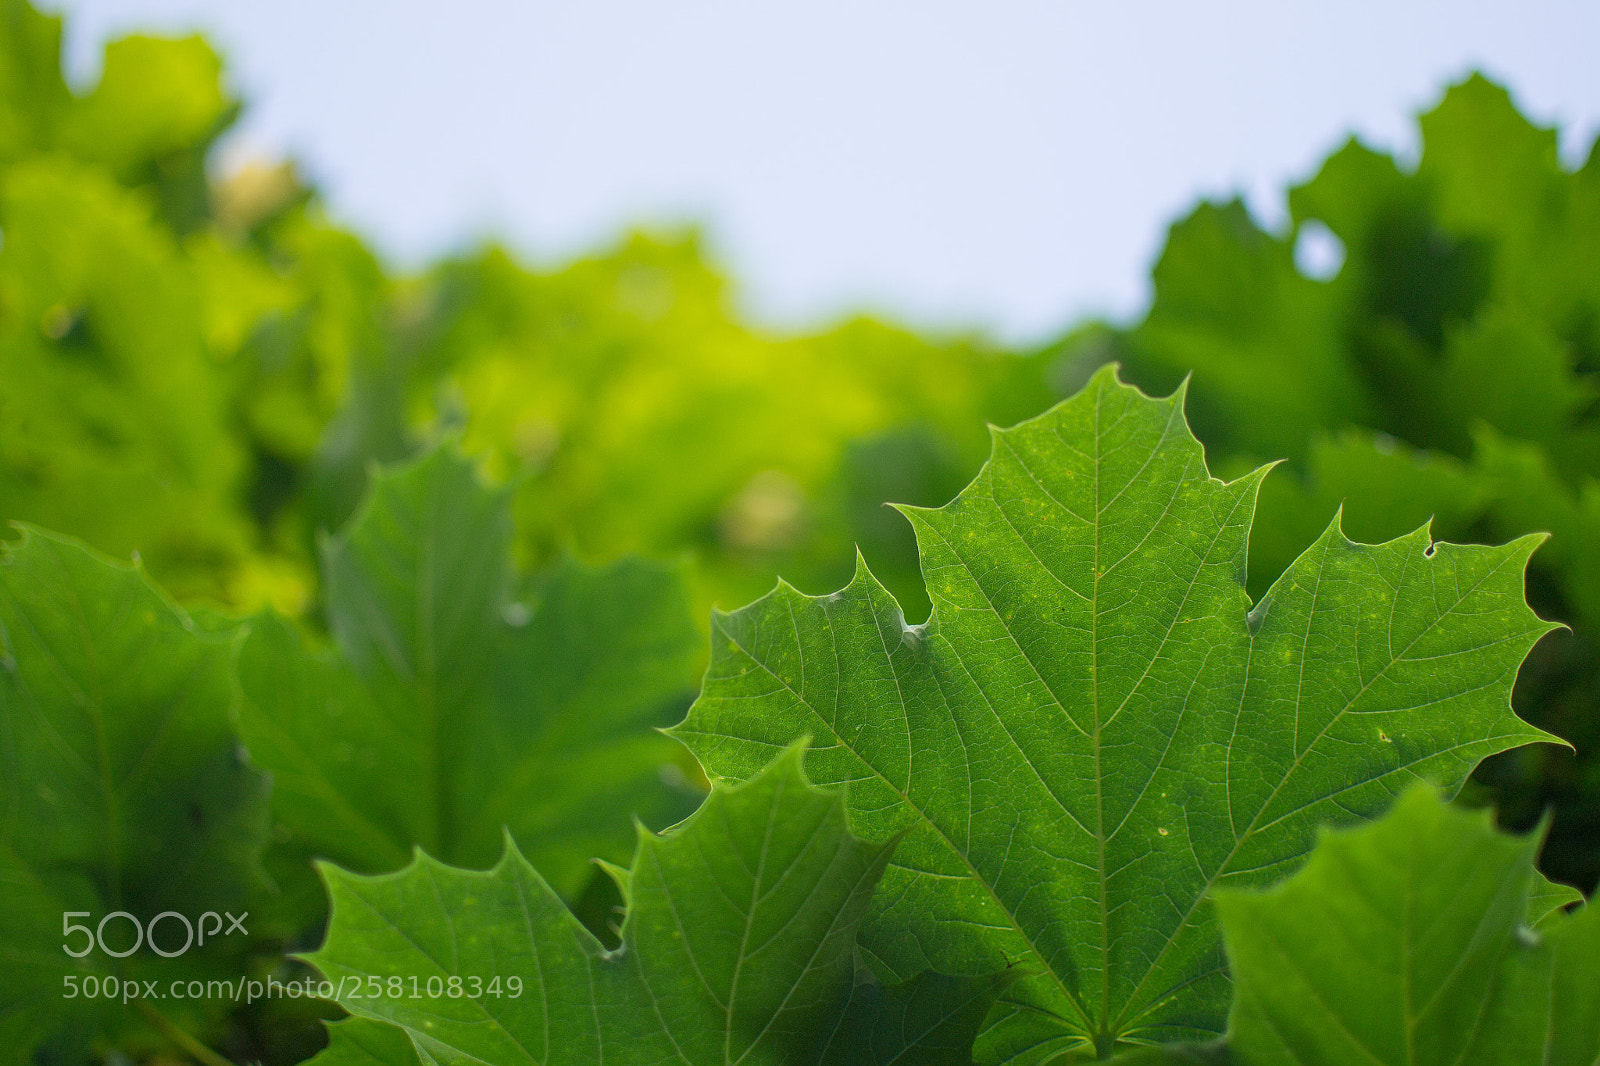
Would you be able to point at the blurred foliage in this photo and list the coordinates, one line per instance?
(203, 371)
(643, 416)
(142, 403)
(1449, 368)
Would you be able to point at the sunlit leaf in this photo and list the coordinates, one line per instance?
(1095, 729)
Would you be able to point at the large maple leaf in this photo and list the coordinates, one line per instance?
(1095, 728)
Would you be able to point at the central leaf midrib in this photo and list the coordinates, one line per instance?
(975, 874)
(1102, 1050)
(1095, 736)
(1118, 1025)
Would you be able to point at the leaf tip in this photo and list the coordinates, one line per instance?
(1180, 395)
(1109, 371)
(620, 876)
(792, 760)
(510, 852)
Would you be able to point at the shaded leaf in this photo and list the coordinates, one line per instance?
(1409, 942)
(456, 703)
(738, 946)
(930, 1019)
(363, 1042)
(122, 788)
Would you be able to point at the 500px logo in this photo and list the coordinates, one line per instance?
(194, 933)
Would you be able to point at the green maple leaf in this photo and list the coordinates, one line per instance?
(1425, 938)
(456, 702)
(1095, 729)
(122, 788)
(1409, 941)
(738, 947)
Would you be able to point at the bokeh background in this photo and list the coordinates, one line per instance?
(1011, 166)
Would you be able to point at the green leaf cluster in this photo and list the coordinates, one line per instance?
(650, 419)
(1050, 793)
(1085, 766)
(461, 703)
(171, 350)
(1449, 369)
(1077, 813)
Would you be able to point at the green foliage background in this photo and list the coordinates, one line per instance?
(201, 371)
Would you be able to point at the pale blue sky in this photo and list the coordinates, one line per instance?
(1006, 164)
